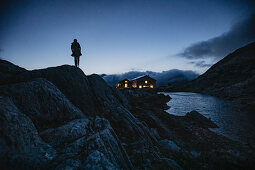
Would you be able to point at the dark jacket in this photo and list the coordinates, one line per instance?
(76, 49)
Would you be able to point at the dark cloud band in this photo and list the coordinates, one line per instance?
(239, 35)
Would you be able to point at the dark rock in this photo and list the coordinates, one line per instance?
(8, 71)
(189, 132)
(97, 160)
(199, 120)
(169, 145)
(66, 133)
(20, 145)
(171, 164)
(61, 125)
(42, 102)
(100, 137)
(69, 164)
(70, 80)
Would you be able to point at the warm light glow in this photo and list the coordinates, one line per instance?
(118, 85)
(134, 86)
(126, 81)
(126, 85)
(140, 86)
(146, 82)
(151, 86)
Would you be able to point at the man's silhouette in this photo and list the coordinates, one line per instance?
(76, 49)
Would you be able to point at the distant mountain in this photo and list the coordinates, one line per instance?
(233, 77)
(163, 78)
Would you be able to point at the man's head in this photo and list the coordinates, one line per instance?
(74, 40)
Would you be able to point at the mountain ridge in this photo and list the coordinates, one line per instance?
(232, 78)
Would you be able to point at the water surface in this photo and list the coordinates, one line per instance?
(232, 121)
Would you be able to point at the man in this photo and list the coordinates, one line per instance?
(76, 52)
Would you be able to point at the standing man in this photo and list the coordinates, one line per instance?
(76, 52)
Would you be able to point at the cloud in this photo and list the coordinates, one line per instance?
(200, 64)
(162, 78)
(239, 35)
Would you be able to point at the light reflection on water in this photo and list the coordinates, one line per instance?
(232, 122)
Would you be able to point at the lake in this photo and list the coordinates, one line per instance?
(232, 121)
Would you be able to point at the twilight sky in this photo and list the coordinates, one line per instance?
(117, 36)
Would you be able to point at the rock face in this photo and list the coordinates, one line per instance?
(59, 118)
(233, 77)
(71, 81)
(21, 146)
(48, 107)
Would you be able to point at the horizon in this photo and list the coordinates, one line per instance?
(117, 37)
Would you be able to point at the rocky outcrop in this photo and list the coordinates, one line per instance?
(232, 78)
(41, 128)
(8, 71)
(42, 102)
(71, 81)
(186, 139)
(196, 119)
(20, 145)
(115, 109)
(59, 118)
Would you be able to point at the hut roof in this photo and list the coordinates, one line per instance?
(142, 77)
(123, 80)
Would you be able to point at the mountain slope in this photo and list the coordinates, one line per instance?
(233, 77)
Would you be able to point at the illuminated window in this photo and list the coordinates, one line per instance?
(151, 86)
(134, 86)
(126, 85)
(126, 81)
(146, 82)
(140, 86)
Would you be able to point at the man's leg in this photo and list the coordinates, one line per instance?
(75, 61)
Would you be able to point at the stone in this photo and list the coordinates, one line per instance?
(45, 105)
(169, 145)
(20, 144)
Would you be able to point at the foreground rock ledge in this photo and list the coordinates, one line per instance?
(59, 118)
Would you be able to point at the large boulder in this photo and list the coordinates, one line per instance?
(97, 160)
(61, 125)
(20, 145)
(8, 71)
(42, 102)
(70, 80)
(66, 133)
(99, 140)
(169, 145)
(198, 119)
